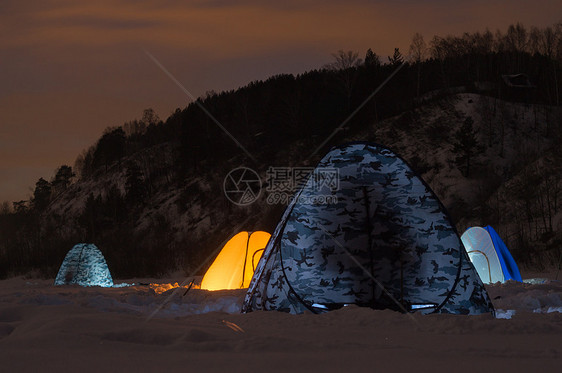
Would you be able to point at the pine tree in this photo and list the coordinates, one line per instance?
(42, 194)
(135, 189)
(110, 148)
(90, 216)
(396, 58)
(149, 117)
(465, 146)
(63, 178)
(371, 59)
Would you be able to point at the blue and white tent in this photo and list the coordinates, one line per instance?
(366, 230)
(84, 265)
(489, 255)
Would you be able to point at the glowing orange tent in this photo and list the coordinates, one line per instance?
(234, 266)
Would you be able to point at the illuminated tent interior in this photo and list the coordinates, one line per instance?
(84, 265)
(234, 267)
(489, 255)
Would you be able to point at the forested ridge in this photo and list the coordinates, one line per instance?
(149, 192)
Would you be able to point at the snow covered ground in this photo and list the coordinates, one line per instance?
(134, 328)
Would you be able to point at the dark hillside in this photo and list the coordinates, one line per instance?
(150, 193)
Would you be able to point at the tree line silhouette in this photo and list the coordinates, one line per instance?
(279, 121)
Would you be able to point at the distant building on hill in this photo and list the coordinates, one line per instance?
(517, 87)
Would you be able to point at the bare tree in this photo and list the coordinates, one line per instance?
(484, 43)
(418, 48)
(517, 38)
(547, 42)
(345, 64)
(535, 36)
(418, 52)
(344, 60)
(436, 51)
(149, 117)
(439, 52)
(558, 44)
(544, 41)
(5, 208)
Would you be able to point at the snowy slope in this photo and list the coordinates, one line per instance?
(515, 141)
(194, 216)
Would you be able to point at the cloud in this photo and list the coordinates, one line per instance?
(71, 68)
(221, 29)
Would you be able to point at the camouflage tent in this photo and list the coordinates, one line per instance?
(365, 230)
(84, 265)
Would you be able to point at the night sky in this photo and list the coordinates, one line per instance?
(69, 69)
